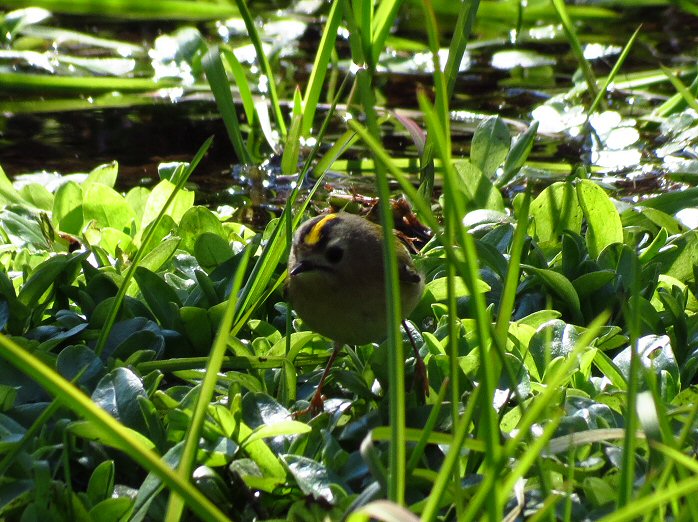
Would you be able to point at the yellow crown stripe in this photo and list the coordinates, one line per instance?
(313, 235)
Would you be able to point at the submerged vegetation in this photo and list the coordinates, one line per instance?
(558, 324)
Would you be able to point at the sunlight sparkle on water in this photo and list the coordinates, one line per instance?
(308, 142)
(263, 84)
(546, 32)
(595, 51)
(506, 60)
(124, 52)
(688, 217)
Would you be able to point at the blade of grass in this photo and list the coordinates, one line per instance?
(140, 254)
(383, 23)
(289, 158)
(571, 33)
(614, 72)
(684, 91)
(240, 81)
(396, 357)
(444, 475)
(27, 82)
(215, 361)
(428, 429)
(631, 313)
(511, 282)
(320, 66)
(263, 65)
(220, 87)
(75, 400)
(459, 41)
(673, 492)
(134, 9)
(454, 210)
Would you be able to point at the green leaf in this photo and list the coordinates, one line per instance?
(23, 227)
(196, 221)
(603, 222)
(490, 146)
(157, 199)
(197, 327)
(211, 250)
(518, 154)
(561, 287)
(266, 431)
(111, 510)
(554, 339)
(555, 210)
(587, 284)
(104, 174)
(101, 484)
(437, 289)
(79, 360)
(137, 198)
(159, 295)
(478, 189)
(37, 195)
(8, 193)
(313, 478)
(678, 260)
(117, 393)
(107, 207)
(67, 208)
(61, 268)
(161, 254)
(599, 491)
(96, 432)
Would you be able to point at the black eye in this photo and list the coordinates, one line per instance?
(334, 254)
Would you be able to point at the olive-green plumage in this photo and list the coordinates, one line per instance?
(336, 278)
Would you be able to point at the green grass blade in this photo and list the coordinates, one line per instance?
(320, 66)
(134, 9)
(614, 72)
(632, 317)
(144, 248)
(220, 87)
(444, 475)
(511, 282)
(383, 22)
(240, 81)
(207, 389)
(672, 493)
(571, 33)
(459, 41)
(684, 91)
(263, 65)
(428, 430)
(289, 158)
(441, 103)
(26, 82)
(75, 400)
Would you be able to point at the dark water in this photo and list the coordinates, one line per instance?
(142, 136)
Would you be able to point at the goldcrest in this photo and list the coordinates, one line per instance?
(336, 281)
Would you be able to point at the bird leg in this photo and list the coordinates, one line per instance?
(317, 402)
(420, 371)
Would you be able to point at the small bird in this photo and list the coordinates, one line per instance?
(336, 283)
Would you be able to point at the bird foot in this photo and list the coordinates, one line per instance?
(316, 406)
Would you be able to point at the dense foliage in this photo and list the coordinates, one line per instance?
(558, 327)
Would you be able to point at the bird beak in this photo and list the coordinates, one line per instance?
(302, 266)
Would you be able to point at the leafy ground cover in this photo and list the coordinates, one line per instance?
(558, 325)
